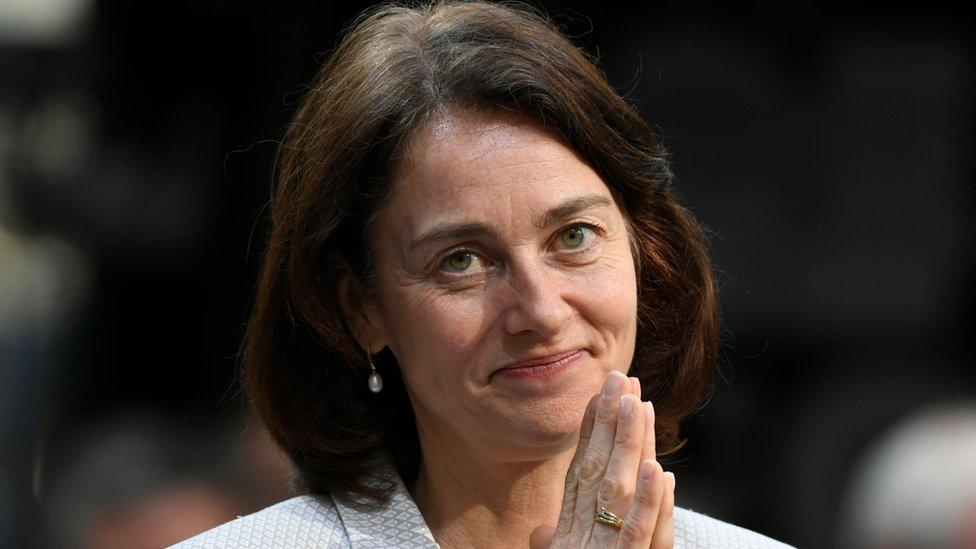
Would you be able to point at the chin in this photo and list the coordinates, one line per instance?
(549, 425)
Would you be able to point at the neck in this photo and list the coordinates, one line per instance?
(470, 501)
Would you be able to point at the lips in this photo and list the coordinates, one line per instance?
(539, 361)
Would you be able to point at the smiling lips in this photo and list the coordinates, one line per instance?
(540, 367)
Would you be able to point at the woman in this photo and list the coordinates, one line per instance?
(473, 243)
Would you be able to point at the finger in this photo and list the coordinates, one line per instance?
(650, 440)
(617, 489)
(597, 455)
(648, 448)
(565, 523)
(638, 528)
(635, 387)
(664, 531)
(541, 537)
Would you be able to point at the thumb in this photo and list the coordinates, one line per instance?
(541, 537)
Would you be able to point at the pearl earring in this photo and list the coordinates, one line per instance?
(375, 380)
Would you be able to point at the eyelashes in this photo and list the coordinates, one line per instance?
(459, 260)
(575, 238)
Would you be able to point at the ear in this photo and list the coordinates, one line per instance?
(360, 310)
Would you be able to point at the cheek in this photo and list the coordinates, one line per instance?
(433, 333)
(610, 292)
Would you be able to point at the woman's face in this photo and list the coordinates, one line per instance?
(501, 245)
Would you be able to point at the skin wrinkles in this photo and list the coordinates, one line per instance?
(532, 298)
(494, 259)
(491, 161)
(446, 231)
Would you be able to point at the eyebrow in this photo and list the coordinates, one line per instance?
(571, 207)
(473, 229)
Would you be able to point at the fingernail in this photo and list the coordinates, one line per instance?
(627, 406)
(612, 384)
(671, 479)
(646, 470)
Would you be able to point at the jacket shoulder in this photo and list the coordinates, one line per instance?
(694, 530)
(303, 521)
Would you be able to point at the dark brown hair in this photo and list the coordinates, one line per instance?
(393, 70)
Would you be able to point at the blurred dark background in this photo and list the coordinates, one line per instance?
(828, 150)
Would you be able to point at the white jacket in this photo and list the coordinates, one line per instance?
(324, 521)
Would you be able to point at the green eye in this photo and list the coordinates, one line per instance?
(460, 261)
(575, 236)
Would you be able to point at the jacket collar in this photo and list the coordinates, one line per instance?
(397, 524)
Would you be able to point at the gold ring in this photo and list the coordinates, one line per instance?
(606, 517)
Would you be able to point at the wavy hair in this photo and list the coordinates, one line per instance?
(394, 68)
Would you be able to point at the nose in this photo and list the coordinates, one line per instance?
(537, 303)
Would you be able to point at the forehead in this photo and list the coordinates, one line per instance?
(486, 167)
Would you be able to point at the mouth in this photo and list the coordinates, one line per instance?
(540, 366)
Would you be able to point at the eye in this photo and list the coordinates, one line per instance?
(576, 235)
(460, 261)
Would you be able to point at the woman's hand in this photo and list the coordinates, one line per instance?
(615, 466)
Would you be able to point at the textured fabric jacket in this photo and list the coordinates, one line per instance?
(323, 521)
